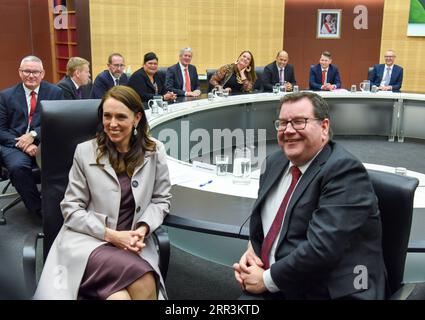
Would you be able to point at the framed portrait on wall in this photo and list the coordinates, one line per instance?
(329, 23)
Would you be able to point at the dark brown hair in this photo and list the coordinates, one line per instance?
(251, 73)
(139, 143)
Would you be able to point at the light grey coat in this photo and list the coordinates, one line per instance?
(91, 204)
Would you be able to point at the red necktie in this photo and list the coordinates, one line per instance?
(323, 76)
(33, 104)
(277, 222)
(187, 80)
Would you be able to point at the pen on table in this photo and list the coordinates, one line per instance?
(204, 184)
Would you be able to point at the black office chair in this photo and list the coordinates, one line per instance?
(65, 124)
(162, 72)
(395, 195)
(370, 73)
(4, 176)
(258, 84)
(210, 73)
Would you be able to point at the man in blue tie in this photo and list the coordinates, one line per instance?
(388, 76)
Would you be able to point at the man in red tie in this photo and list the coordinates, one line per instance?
(182, 78)
(324, 75)
(316, 217)
(20, 127)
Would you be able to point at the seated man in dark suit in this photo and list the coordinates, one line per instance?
(76, 84)
(20, 127)
(316, 220)
(182, 78)
(388, 76)
(324, 75)
(147, 82)
(113, 76)
(279, 71)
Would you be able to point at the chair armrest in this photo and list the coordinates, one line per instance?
(162, 242)
(404, 292)
(29, 262)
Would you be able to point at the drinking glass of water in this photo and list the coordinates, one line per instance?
(242, 166)
(221, 162)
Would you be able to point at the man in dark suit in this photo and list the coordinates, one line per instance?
(313, 245)
(76, 84)
(324, 75)
(279, 71)
(388, 76)
(20, 127)
(182, 78)
(113, 76)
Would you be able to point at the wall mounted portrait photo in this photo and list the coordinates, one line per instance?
(328, 23)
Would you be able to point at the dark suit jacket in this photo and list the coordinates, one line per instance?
(316, 77)
(378, 73)
(104, 82)
(332, 224)
(271, 75)
(14, 111)
(174, 79)
(140, 82)
(70, 91)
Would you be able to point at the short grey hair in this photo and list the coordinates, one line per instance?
(32, 59)
(183, 50)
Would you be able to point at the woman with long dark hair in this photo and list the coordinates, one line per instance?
(118, 194)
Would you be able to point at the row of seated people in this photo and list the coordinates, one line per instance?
(241, 76)
(102, 226)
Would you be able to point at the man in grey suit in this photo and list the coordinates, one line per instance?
(325, 241)
(279, 71)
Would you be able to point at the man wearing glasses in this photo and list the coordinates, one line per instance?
(113, 76)
(20, 128)
(316, 217)
(387, 76)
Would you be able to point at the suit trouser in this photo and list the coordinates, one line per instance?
(19, 165)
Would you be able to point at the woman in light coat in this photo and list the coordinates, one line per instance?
(118, 194)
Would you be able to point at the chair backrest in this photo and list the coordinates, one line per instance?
(64, 124)
(370, 73)
(258, 85)
(395, 196)
(210, 73)
(162, 72)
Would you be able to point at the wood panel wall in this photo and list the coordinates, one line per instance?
(216, 30)
(410, 51)
(25, 30)
(353, 52)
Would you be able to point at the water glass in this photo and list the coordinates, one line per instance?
(374, 89)
(296, 89)
(210, 96)
(221, 162)
(353, 88)
(400, 171)
(225, 93)
(165, 106)
(242, 166)
(276, 88)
